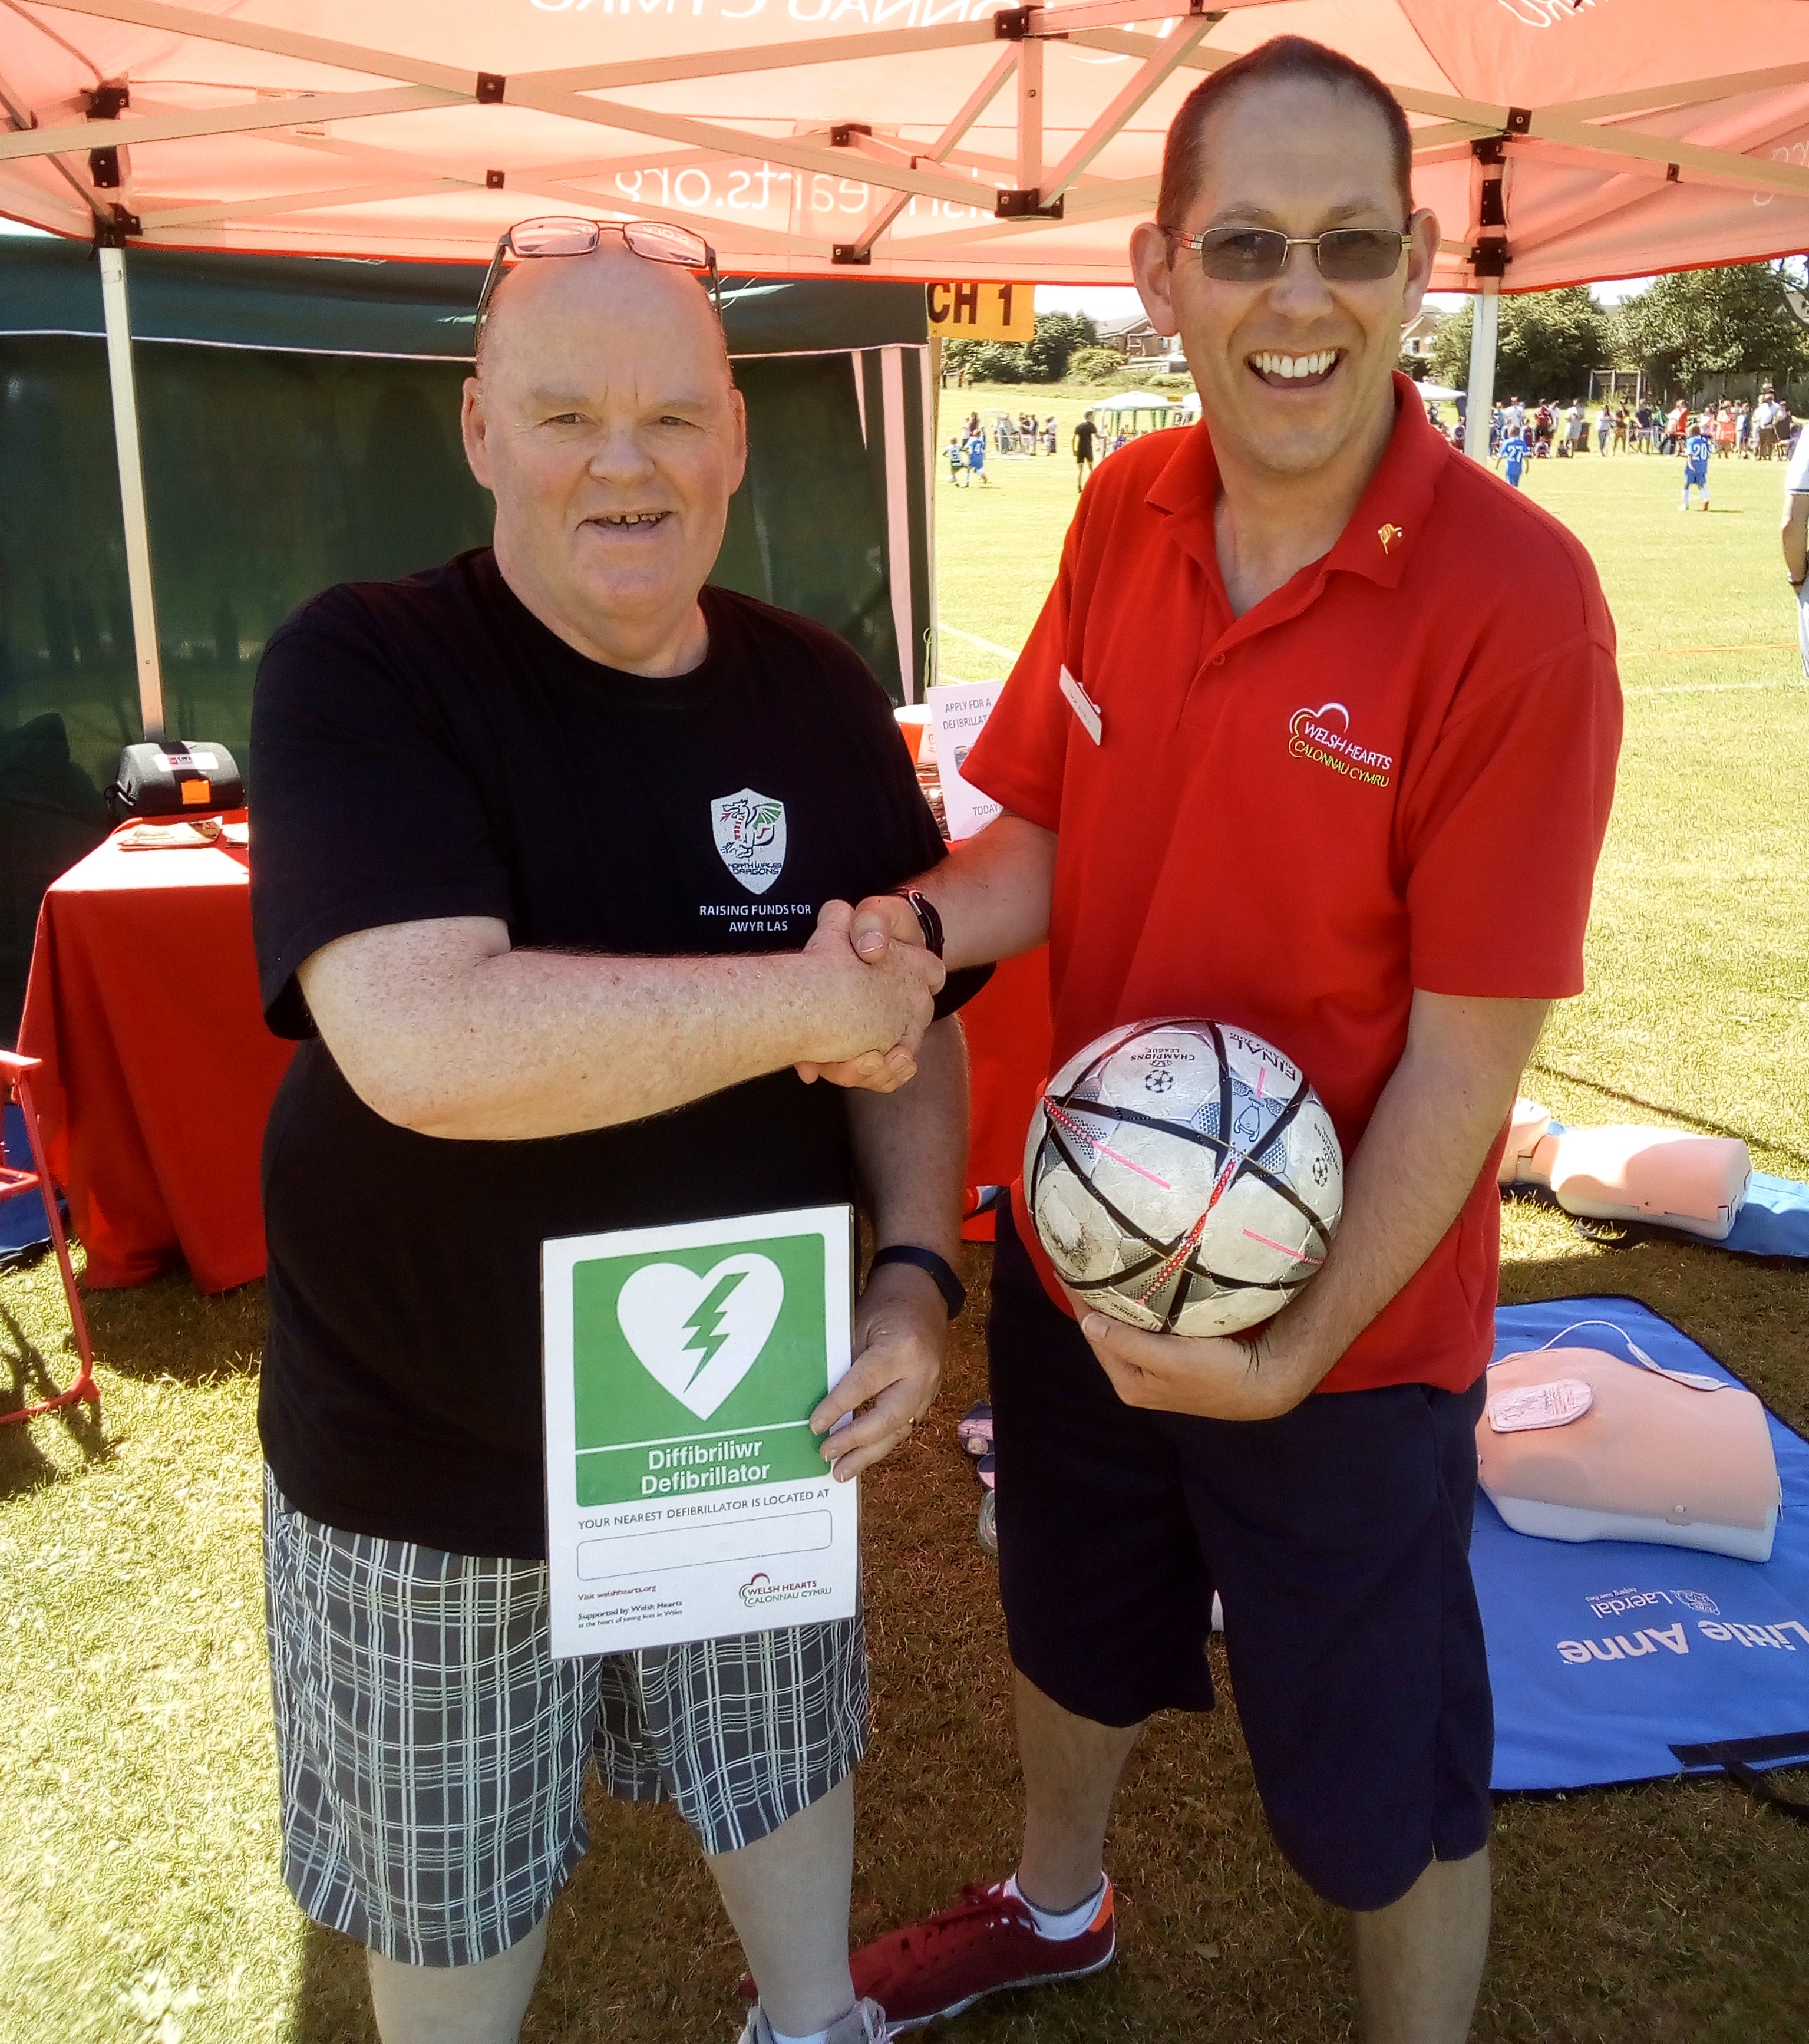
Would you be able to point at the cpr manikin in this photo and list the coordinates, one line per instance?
(1695, 1183)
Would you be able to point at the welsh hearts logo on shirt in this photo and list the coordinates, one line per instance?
(697, 1337)
(1324, 736)
(750, 832)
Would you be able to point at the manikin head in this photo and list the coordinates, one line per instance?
(1295, 138)
(604, 420)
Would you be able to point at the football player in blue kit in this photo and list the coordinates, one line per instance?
(1697, 449)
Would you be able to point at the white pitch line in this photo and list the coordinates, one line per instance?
(1705, 688)
(974, 639)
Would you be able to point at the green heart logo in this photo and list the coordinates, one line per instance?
(697, 1337)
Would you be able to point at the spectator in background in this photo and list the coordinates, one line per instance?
(1642, 419)
(1796, 541)
(1742, 429)
(1764, 424)
(1086, 442)
(1724, 428)
(1604, 426)
(1049, 433)
(1620, 429)
(1676, 427)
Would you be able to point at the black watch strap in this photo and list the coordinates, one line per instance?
(929, 922)
(938, 1270)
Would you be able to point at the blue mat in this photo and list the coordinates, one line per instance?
(1667, 1646)
(1775, 1219)
(23, 1230)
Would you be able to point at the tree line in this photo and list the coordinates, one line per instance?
(1681, 329)
(1060, 338)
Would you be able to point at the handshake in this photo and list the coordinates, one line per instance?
(873, 989)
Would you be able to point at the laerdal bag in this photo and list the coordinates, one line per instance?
(173, 777)
(1576, 1444)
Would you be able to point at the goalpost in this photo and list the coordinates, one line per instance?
(1606, 384)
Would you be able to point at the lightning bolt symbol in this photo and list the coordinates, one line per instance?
(705, 1325)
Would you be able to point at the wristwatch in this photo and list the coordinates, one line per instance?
(929, 921)
(938, 1270)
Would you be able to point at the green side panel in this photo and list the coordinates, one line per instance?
(807, 528)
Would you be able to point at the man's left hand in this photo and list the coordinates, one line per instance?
(1215, 1376)
(900, 1333)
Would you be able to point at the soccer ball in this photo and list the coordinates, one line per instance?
(1184, 1176)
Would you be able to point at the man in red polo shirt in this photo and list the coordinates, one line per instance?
(1286, 750)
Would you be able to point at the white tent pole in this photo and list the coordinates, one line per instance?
(1479, 401)
(931, 392)
(132, 489)
(898, 514)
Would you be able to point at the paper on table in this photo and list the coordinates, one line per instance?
(958, 711)
(686, 1496)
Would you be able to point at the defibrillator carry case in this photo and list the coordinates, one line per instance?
(173, 776)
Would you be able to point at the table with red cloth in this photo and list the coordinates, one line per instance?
(158, 1072)
(1008, 1039)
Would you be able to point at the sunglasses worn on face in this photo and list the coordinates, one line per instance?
(1255, 255)
(654, 240)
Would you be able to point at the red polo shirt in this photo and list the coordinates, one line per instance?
(1394, 773)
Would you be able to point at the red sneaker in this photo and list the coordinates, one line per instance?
(987, 1942)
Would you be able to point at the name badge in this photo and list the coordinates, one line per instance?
(1083, 707)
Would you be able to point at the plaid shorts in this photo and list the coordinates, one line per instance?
(433, 1752)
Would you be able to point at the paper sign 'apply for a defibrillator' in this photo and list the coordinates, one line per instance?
(686, 1495)
(983, 312)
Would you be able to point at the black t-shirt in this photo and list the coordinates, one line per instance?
(428, 748)
(1084, 434)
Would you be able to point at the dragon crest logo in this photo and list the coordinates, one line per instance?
(749, 832)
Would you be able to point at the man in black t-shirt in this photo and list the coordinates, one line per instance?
(1085, 433)
(554, 846)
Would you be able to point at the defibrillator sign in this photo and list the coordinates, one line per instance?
(685, 1492)
(983, 312)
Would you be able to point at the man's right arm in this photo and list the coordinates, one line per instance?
(992, 893)
(440, 1027)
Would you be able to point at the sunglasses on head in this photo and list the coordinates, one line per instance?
(557, 235)
(1255, 255)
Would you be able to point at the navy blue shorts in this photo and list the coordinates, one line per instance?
(1337, 1538)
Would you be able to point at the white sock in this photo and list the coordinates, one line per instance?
(1060, 1925)
(808, 2037)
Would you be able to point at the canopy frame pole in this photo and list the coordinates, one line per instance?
(1178, 43)
(132, 488)
(978, 100)
(1479, 401)
(898, 514)
(1030, 116)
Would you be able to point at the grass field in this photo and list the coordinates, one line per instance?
(139, 1895)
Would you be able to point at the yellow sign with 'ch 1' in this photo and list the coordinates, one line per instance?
(983, 312)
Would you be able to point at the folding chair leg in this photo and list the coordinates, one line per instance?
(84, 1388)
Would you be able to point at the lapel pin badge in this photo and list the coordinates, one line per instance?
(1387, 535)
